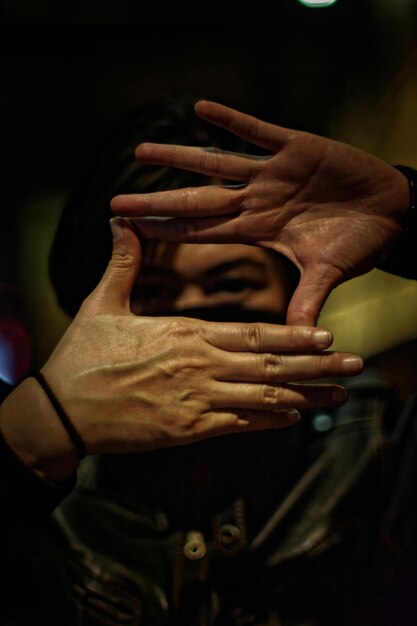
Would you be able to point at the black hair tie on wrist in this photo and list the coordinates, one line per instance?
(65, 420)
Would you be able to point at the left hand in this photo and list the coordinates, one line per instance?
(332, 209)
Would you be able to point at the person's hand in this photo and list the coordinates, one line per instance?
(330, 208)
(131, 383)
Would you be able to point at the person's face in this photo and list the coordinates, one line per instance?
(184, 276)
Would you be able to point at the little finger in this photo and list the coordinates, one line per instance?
(228, 422)
(274, 397)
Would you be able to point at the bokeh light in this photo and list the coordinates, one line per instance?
(318, 4)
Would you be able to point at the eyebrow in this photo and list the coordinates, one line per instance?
(227, 266)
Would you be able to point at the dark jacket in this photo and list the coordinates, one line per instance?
(311, 526)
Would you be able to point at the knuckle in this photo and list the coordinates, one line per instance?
(181, 329)
(122, 259)
(324, 364)
(252, 337)
(192, 419)
(204, 158)
(184, 426)
(272, 366)
(189, 200)
(295, 338)
(210, 159)
(298, 339)
(270, 396)
(188, 365)
(188, 428)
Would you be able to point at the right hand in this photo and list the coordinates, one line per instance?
(132, 383)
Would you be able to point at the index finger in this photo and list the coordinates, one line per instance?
(245, 126)
(244, 337)
(189, 202)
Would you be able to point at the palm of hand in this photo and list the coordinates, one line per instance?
(301, 204)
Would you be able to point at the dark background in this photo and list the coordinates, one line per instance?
(69, 67)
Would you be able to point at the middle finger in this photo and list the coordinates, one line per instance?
(209, 161)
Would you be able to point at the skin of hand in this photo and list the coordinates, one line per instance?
(130, 383)
(332, 209)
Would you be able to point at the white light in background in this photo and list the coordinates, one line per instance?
(318, 4)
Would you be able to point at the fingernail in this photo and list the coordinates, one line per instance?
(117, 226)
(322, 338)
(293, 415)
(352, 364)
(339, 395)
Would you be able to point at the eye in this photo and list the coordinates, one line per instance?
(231, 284)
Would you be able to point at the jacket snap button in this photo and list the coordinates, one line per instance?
(229, 534)
(195, 546)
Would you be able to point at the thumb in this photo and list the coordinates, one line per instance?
(112, 294)
(309, 297)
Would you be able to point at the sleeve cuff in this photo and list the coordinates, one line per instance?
(25, 498)
(401, 260)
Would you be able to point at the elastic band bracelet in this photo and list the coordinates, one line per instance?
(73, 434)
(26, 499)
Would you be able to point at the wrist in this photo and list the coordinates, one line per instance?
(34, 433)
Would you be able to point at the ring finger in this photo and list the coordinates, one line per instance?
(278, 368)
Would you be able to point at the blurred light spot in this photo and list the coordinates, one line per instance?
(318, 4)
(322, 422)
(15, 350)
